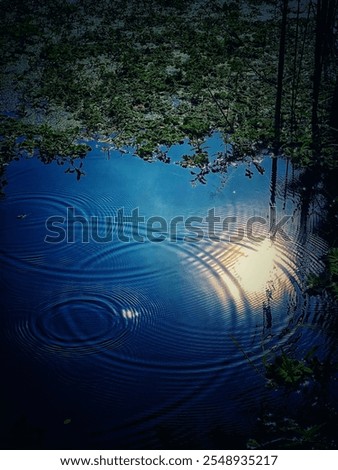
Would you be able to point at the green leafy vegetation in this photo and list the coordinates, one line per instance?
(328, 280)
(26, 140)
(287, 371)
(156, 72)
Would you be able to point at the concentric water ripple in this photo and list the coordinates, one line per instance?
(25, 230)
(85, 322)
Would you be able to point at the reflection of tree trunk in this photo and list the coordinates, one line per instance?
(273, 181)
(267, 314)
(317, 76)
(286, 182)
(294, 73)
(304, 215)
(273, 194)
(325, 18)
(301, 56)
(307, 181)
(281, 59)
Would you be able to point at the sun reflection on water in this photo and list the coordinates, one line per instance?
(257, 267)
(247, 275)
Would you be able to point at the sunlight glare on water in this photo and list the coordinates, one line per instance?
(255, 268)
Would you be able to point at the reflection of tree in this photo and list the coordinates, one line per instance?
(273, 185)
(307, 183)
(281, 60)
(286, 178)
(267, 315)
(325, 21)
(267, 312)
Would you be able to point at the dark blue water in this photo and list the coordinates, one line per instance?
(150, 344)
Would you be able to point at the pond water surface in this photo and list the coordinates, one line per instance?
(152, 339)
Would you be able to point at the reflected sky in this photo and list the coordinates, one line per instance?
(91, 323)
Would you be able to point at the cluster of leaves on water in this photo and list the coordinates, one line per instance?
(286, 370)
(328, 280)
(154, 72)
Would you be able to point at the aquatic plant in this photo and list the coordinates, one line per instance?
(287, 371)
(328, 280)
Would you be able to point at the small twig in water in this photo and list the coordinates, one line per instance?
(238, 345)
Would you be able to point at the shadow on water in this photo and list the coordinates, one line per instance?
(157, 337)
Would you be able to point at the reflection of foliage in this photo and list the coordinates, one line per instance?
(161, 71)
(48, 143)
(20, 139)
